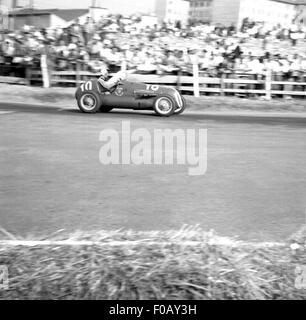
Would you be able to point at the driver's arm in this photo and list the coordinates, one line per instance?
(107, 84)
(113, 81)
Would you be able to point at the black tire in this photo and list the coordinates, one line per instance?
(164, 102)
(183, 108)
(106, 109)
(89, 102)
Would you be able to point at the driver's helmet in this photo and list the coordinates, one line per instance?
(104, 72)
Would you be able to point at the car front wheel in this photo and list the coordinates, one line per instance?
(89, 102)
(164, 106)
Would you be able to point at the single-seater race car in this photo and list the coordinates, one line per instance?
(92, 97)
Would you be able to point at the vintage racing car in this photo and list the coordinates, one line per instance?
(91, 97)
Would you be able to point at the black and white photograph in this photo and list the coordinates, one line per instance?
(152, 150)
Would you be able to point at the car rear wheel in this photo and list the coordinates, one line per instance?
(164, 106)
(181, 109)
(89, 102)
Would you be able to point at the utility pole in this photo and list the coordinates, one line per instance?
(14, 4)
(31, 7)
(93, 6)
(4, 15)
(11, 17)
(1, 21)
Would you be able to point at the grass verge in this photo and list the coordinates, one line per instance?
(185, 264)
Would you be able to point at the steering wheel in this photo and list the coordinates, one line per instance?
(113, 89)
(119, 83)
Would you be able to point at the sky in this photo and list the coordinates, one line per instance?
(118, 6)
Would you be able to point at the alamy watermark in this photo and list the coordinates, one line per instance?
(160, 147)
(4, 278)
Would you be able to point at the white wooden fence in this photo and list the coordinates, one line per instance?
(243, 84)
(196, 85)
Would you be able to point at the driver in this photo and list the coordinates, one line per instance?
(112, 82)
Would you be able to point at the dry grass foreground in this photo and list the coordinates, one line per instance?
(185, 264)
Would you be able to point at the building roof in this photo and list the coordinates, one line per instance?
(295, 2)
(71, 14)
(65, 14)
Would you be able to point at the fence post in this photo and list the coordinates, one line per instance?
(196, 85)
(222, 84)
(268, 84)
(44, 71)
(28, 74)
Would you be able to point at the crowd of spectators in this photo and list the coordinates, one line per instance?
(166, 48)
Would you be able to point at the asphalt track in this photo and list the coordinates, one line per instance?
(51, 177)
